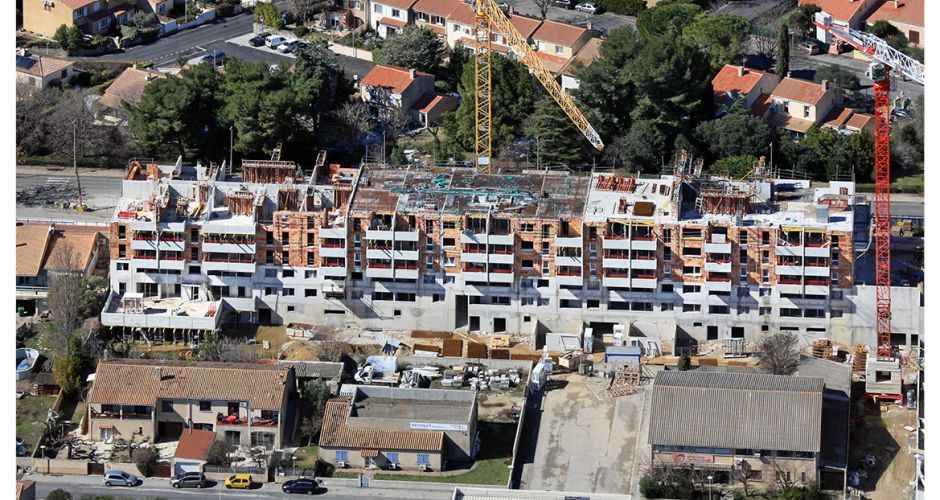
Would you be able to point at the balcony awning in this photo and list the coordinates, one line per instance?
(370, 453)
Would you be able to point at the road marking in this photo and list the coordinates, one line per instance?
(58, 180)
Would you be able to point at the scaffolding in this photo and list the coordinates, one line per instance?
(269, 172)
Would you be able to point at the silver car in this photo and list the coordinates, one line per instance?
(119, 478)
(588, 7)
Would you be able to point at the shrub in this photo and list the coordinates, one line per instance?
(59, 494)
(146, 459)
(300, 31)
(218, 453)
(685, 362)
(225, 9)
(623, 7)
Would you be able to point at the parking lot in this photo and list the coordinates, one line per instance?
(588, 442)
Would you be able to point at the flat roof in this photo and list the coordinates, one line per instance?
(436, 405)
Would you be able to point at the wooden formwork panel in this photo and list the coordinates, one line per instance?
(453, 348)
(499, 353)
(476, 350)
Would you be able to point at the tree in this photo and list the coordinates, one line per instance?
(742, 474)
(269, 15)
(607, 94)
(218, 453)
(224, 349)
(146, 460)
(67, 371)
(542, 6)
(559, 141)
(142, 19)
(68, 37)
(310, 426)
(667, 19)
(837, 76)
(65, 291)
(764, 41)
(316, 393)
(720, 36)
(512, 95)
(59, 494)
(128, 32)
(736, 133)
(778, 353)
(783, 52)
(802, 20)
(733, 166)
(685, 363)
(413, 48)
(354, 120)
(623, 7)
(303, 9)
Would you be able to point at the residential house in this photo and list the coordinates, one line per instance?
(388, 88)
(556, 42)
(392, 428)
(43, 250)
(25, 490)
(243, 403)
(585, 57)
(305, 371)
(736, 82)
(849, 13)
(192, 451)
(159, 8)
(796, 105)
(849, 121)
(128, 87)
(905, 15)
(461, 25)
(433, 15)
(388, 17)
(92, 16)
(39, 71)
(768, 427)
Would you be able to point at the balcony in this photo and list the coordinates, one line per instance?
(228, 247)
(501, 276)
(790, 270)
(643, 263)
(642, 244)
(477, 238)
(786, 251)
(378, 253)
(615, 243)
(614, 263)
(576, 242)
(339, 252)
(647, 283)
(724, 248)
(786, 288)
(377, 234)
(569, 261)
(475, 275)
(502, 239)
(818, 251)
(718, 267)
(816, 271)
(173, 263)
(141, 244)
(473, 257)
(501, 258)
(817, 288)
(172, 245)
(406, 272)
(569, 279)
(619, 280)
(332, 232)
(723, 285)
(235, 266)
(405, 255)
(333, 271)
(406, 236)
(380, 271)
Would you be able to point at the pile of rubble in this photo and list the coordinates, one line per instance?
(478, 377)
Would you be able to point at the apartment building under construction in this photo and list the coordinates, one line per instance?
(682, 256)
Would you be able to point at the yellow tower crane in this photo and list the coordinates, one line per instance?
(490, 18)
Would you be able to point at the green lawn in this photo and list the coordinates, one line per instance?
(492, 465)
(44, 341)
(31, 414)
(306, 457)
(345, 475)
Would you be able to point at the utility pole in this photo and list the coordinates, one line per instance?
(81, 200)
(538, 160)
(231, 148)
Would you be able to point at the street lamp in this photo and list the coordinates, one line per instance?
(231, 148)
(710, 479)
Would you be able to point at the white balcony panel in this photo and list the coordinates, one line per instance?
(173, 264)
(569, 261)
(790, 270)
(333, 252)
(565, 294)
(718, 247)
(643, 263)
(816, 270)
(229, 247)
(173, 246)
(616, 244)
(818, 252)
(374, 234)
(374, 253)
(405, 255)
(143, 245)
(173, 227)
(576, 242)
(611, 263)
(616, 282)
(237, 267)
(332, 232)
(502, 239)
(816, 290)
(144, 263)
(501, 258)
(143, 225)
(643, 244)
(719, 286)
(473, 276)
(478, 238)
(501, 277)
(649, 283)
(718, 267)
(333, 272)
(227, 227)
(406, 235)
(473, 257)
(789, 289)
(375, 272)
(408, 274)
(788, 251)
(569, 280)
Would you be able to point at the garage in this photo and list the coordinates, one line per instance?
(171, 430)
(192, 452)
(184, 466)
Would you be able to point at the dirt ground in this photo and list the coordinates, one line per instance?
(886, 439)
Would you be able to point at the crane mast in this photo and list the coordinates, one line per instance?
(887, 59)
(489, 18)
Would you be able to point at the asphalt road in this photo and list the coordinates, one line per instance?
(807, 63)
(160, 488)
(605, 22)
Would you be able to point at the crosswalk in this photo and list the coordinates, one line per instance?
(58, 180)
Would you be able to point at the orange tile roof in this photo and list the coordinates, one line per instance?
(76, 4)
(463, 15)
(585, 57)
(558, 33)
(761, 104)
(440, 30)
(441, 8)
(525, 25)
(81, 246)
(129, 86)
(799, 90)
(143, 382)
(841, 10)
(552, 62)
(194, 444)
(23, 487)
(907, 12)
(859, 121)
(391, 21)
(837, 117)
(43, 66)
(790, 122)
(729, 80)
(429, 101)
(31, 243)
(335, 434)
(398, 4)
(393, 77)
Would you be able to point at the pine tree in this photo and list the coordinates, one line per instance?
(559, 141)
(783, 52)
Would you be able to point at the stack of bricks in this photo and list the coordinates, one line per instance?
(822, 349)
(861, 358)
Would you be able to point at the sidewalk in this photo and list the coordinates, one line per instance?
(82, 171)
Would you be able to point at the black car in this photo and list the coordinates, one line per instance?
(258, 40)
(564, 4)
(188, 480)
(302, 485)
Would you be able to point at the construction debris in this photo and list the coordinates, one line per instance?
(861, 358)
(625, 382)
(822, 348)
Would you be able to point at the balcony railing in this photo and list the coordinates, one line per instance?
(380, 266)
(788, 281)
(718, 261)
(817, 282)
(232, 260)
(501, 270)
(817, 264)
(644, 276)
(474, 250)
(406, 266)
(615, 236)
(145, 256)
(643, 237)
(333, 245)
(615, 274)
(817, 244)
(644, 257)
(501, 252)
(144, 237)
(227, 241)
(568, 273)
(719, 278)
(172, 257)
(332, 264)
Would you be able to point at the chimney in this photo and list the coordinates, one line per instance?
(21, 51)
(825, 84)
(742, 71)
(159, 372)
(511, 10)
(135, 65)
(412, 73)
(789, 74)
(897, 4)
(590, 25)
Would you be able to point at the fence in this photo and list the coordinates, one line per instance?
(353, 52)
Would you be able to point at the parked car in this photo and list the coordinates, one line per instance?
(289, 46)
(589, 7)
(273, 41)
(258, 40)
(188, 480)
(238, 481)
(21, 447)
(564, 4)
(302, 485)
(119, 478)
(810, 48)
(214, 57)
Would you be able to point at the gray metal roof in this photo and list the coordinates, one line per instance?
(837, 376)
(736, 410)
(315, 369)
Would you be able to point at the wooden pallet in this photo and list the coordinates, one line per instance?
(625, 382)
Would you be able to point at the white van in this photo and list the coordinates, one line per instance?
(274, 40)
